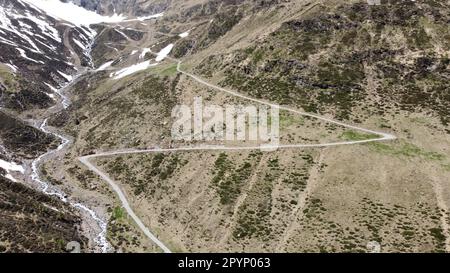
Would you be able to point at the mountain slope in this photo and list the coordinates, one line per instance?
(39, 56)
(366, 65)
(384, 68)
(33, 222)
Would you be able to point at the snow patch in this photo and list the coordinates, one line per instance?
(13, 67)
(67, 77)
(11, 167)
(144, 18)
(7, 42)
(45, 27)
(26, 27)
(47, 46)
(80, 16)
(10, 177)
(52, 96)
(51, 87)
(5, 23)
(164, 53)
(144, 52)
(104, 66)
(72, 13)
(131, 70)
(151, 16)
(121, 33)
(24, 55)
(184, 34)
(79, 44)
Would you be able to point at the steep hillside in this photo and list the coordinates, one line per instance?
(338, 58)
(40, 55)
(131, 8)
(364, 122)
(368, 65)
(33, 222)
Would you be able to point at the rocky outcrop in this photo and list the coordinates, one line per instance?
(23, 140)
(39, 50)
(31, 221)
(126, 7)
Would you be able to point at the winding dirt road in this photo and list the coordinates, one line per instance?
(85, 159)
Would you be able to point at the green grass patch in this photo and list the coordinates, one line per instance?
(438, 234)
(8, 78)
(446, 167)
(257, 55)
(169, 71)
(406, 150)
(288, 119)
(61, 243)
(419, 120)
(356, 136)
(228, 179)
(118, 213)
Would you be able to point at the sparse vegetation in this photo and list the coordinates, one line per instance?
(356, 136)
(405, 149)
(331, 60)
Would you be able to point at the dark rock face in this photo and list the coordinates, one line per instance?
(133, 34)
(127, 7)
(87, 4)
(23, 140)
(107, 39)
(35, 44)
(209, 8)
(33, 222)
(323, 23)
(34, 60)
(26, 98)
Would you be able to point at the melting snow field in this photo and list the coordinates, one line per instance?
(79, 44)
(11, 166)
(143, 18)
(25, 26)
(24, 55)
(140, 66)
(80, 16)
(131, 70)
(73, 13)
(144, 52)
(104, 66)
(121, 33)
(164, 53)
(67, 77)
(184, 34)
(13, 67)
